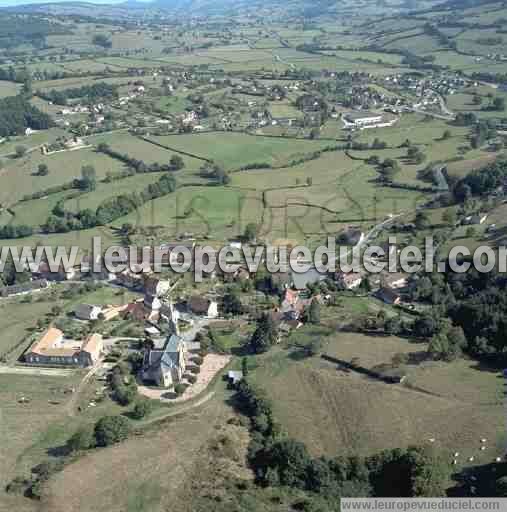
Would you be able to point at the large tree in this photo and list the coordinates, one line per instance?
(264, 336)
(111, 429)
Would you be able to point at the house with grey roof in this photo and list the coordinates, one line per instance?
(166, 367)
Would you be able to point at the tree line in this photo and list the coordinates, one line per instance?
(278, 460)
(94, 92)
(17, 114)
(176, 162)
(62, 221)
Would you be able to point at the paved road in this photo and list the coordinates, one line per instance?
(368, 237)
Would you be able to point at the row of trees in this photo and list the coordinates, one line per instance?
(62, 221)
(92, 93)
(15, 231)
(176, 162)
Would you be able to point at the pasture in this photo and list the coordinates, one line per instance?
(16, 320)
(172, 451)
(115, 188)
(8, 146)
(8, 89)
(18, 178)
(142, 150)
(31, 428)
(343, 413)
(34, 212)
(234, 150)
(216, 212)
(333, 199)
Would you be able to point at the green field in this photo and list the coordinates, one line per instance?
(8, 89)
(234, 150)
(142, 150)
(105, 191)
(17, 179)
(216, 212)
(8, 146)
(17, 319)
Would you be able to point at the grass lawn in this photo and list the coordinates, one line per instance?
(284, 109)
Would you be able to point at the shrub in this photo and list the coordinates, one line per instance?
(192, 379)
(111, 429)
(179, 389)
(83, 439)
(141, 409)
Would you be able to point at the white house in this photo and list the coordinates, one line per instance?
(87, 312)
(203, 307)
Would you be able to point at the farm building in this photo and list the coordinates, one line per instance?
(52, 348)
(361, 120)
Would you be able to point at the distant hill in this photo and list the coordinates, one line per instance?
(78, 8)
(196, 7)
